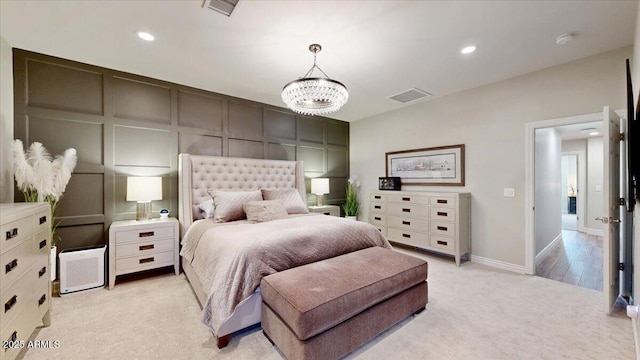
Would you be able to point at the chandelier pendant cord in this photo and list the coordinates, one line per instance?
(315, 66)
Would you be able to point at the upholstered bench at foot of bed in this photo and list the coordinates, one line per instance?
(327, 309)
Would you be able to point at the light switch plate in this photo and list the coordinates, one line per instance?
(509, 192)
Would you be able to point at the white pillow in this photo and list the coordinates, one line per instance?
(290, 198)
(265, 210)
(207, 208)
(228, 204)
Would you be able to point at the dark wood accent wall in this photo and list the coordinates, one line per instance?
(123, 124)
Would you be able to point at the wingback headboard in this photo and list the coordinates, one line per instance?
(197, 174)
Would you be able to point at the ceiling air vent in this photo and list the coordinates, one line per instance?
(410, 95)
(222, 6)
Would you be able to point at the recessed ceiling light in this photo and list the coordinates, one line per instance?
(468, 49)
(145, 36)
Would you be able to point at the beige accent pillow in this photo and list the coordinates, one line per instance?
(228, 204)
(290, 198)
(265, 210)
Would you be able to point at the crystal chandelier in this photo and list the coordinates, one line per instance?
(315, 95)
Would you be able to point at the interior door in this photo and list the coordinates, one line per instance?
(610, 220)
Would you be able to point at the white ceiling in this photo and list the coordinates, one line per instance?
(376, 48)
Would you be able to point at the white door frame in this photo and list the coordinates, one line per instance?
(529, 173)
(582, 186)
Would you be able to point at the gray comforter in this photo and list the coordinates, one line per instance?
(231, 258)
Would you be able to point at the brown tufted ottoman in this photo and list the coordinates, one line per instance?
(326, 309)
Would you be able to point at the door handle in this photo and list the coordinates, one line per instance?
(607, 220)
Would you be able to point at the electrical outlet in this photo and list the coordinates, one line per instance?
(509, 192)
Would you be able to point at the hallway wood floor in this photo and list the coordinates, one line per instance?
(577, 260)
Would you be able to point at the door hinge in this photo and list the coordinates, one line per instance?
(621, 202)
(621, 136)
(621, 266)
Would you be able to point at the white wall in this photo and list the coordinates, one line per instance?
(595, 177)
(6, 121)
(490, 121)
(548, 192)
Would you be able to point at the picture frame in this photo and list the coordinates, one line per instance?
(436, 166)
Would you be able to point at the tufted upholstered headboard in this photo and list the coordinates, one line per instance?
(197, 174)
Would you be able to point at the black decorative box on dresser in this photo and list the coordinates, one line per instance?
(437, 221)
(25, 289)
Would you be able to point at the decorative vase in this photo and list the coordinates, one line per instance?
(52, 262)
(351, 217)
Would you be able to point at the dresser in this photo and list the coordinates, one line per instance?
(142, 245)
(437, 221)
(25, 289)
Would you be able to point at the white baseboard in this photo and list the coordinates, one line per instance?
(597, 232)
(555, 242)
(498, 264)
(634, 325)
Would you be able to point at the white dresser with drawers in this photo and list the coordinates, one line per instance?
(25, 289)
(437, 221)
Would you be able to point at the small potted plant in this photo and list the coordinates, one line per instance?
(351, 206)
(42, 178)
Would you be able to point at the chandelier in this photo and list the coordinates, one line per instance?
(315, 95)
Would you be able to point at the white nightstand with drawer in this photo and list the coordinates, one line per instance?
(142, 245)
(332, 210)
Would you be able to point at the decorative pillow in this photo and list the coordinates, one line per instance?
(290, 198)
(228, 204)
(207, 208)
(265, 210)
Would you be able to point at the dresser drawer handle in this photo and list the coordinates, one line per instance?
(43, 298)
(326, 213)
(12, 339)
(43, 219)
(12, 233)
(406, 235)
(146, 234)
(146, 247)
(442, 201)
(442, 228)
(406, 199)
(146, 260)
(442, 243)
(406, 210)
(10, 266)
(406, 222)
(378, 218)
(442, 213)
(9, 304)
(42, 271)
(377, 197)
(377, 207)
(43, 243)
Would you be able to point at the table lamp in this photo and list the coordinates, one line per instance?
(320, 186)
(144, 189)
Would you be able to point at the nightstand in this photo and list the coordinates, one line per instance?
(136, 246)
(332, 210)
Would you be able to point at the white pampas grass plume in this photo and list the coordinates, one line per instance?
(22, 170)
(40, 160)
(63, 166)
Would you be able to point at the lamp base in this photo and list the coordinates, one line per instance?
(143, 211)
(319, 200)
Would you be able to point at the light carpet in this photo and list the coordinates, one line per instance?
(474, 312)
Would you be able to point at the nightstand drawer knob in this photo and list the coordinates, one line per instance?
(9, 304)
(146, 247)
(146, 234)
(146, 260)
(12, 233)
(10, 266)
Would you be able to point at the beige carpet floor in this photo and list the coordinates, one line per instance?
(474, 312)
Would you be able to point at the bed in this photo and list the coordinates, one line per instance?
(223, 260)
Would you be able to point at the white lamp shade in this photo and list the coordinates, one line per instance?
(144, 188)
(320, 186)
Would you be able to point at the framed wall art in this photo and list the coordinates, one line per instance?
(442, 166)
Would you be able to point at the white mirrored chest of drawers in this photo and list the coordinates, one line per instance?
(437, 221)
(25, 287)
